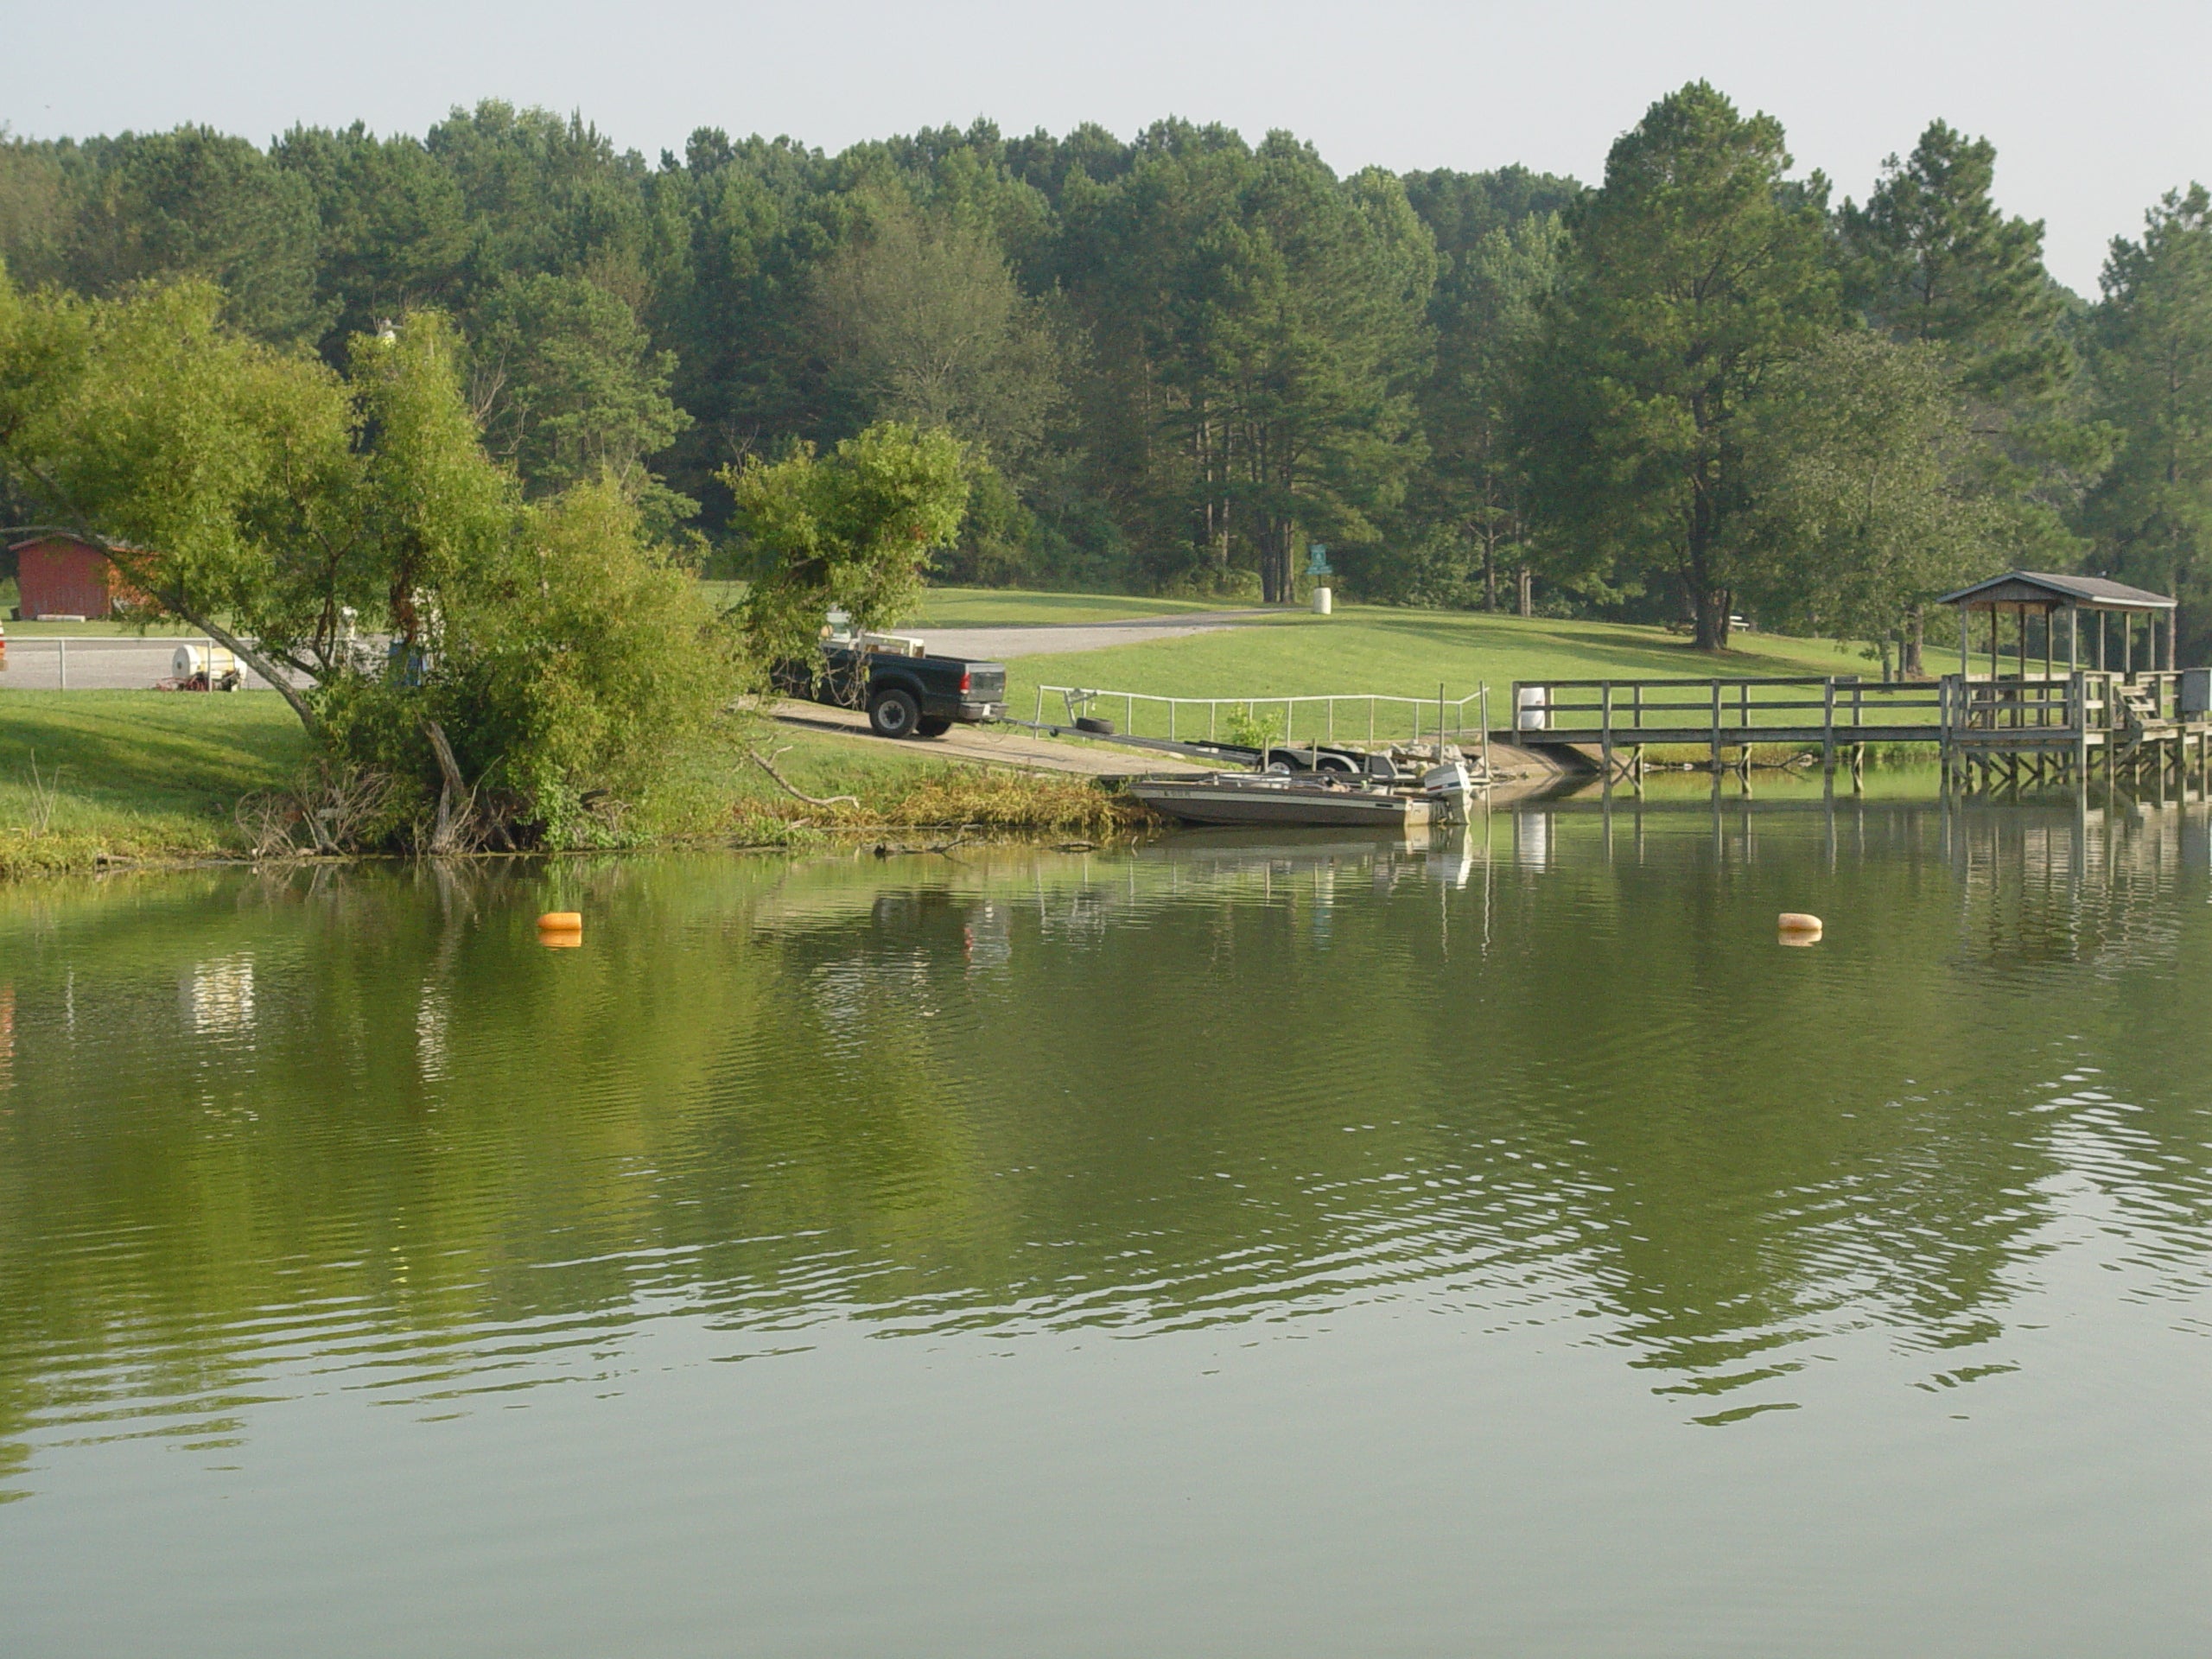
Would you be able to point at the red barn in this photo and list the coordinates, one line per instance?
(60, 575)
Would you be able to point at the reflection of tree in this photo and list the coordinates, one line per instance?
(1201, 1085)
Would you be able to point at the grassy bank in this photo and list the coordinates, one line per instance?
(88, 776)
(133, 774)
(724, 796)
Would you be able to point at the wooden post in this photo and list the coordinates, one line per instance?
(2043, 711)
(1716, 733)
(2078, 717)
(1606, 727)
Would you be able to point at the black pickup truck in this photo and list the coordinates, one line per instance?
(905, 692)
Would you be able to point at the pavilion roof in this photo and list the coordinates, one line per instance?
(2042, 587)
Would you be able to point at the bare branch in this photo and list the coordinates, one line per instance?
(790, 788)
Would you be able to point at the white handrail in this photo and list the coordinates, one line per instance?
(1079, 697)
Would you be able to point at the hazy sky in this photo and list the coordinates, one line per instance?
(2095, 109)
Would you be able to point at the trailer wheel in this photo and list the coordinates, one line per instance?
(1335, 763)
(932, 726)
(893, 712)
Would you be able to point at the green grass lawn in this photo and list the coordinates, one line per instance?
(1403, 653)
(139, 773)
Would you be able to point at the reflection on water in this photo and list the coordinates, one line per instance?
(266, 1137)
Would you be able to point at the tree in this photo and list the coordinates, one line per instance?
(352, 534)
(852, 531)
(193, 458)
(924, 323)
(1860, 506)
(1694, 272)
(1260, 329)
(1488, 309)
(196, 203)
(1931, 259)
(569, 389)
(394, 234)
(2150, 516)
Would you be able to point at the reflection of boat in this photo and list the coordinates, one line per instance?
(1321, 800)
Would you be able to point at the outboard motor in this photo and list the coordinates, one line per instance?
(1451, 787)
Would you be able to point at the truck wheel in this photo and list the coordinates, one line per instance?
(932, 726)
(893, 712)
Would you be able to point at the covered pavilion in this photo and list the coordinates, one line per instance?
(2026, 593)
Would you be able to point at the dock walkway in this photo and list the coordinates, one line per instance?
(1989, 731)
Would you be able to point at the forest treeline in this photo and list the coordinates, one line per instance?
(1701, 387)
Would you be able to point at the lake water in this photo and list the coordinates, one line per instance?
(1303, 1247)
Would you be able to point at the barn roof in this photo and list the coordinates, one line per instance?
(51, 536)
(2042, 588)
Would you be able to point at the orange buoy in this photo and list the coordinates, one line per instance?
(1795, 927)
(563, 921)
(561, 938)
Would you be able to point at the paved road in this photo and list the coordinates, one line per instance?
(112, 663)
(1000, 641)
(96, 663)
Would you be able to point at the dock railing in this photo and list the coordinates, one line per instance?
(1356, 718)
(2080, 700)
(1835, 709)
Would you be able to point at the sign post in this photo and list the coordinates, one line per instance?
(1317, 566)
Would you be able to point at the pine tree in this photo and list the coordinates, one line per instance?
(2151, 515)
(1694, 271)
(1930, 258)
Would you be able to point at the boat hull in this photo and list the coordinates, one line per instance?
(1230, 803)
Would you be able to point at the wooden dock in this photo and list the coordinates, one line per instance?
(1996, 731)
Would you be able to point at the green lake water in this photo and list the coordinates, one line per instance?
(1284, 1247)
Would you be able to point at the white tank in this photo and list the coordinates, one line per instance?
(214, 661)
(1533, 712)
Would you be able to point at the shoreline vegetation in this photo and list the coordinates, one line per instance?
(93, 779)
(103, 779)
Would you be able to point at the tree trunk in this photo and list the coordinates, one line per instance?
(1709, 610)
(1525, 581)
(1275, 560)
(260, 664)
(1909, 666)
(454, 797)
